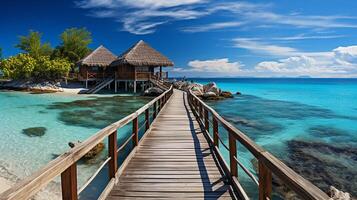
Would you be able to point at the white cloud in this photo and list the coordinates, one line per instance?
(340, 62)
(215, 67)
(213, 26)
(307, 37)
(253, 44)
(302, 21)
(137, 14)
(143, 16)
(299, 65)
(135, 4)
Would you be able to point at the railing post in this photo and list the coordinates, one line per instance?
(215, 131)
(265, 182)
(147, 119)
(112, 151)
(154, 113)
(233, 155)
(200, 111)
(135, 132)
(69, 183)
(206, 119)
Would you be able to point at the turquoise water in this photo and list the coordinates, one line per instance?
(311, 124)
(66, 118)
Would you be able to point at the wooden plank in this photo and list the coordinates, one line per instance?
(69, 183)
(113, 154)
(265, 182)
(174, 160)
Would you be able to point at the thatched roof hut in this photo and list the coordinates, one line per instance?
(141, 54)
(100, 57)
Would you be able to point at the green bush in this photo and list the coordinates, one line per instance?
(20, 66)
(24, 66)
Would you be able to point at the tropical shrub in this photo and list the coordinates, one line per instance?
(24, 66)
(20, 66)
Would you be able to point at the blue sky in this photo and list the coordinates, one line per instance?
(205, 38)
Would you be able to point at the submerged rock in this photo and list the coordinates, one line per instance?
(34, 131)
(326, 131)
(153, 91)
(238, 93)
(93, 152)
(325, 165)
(97, 112)
(226, 94)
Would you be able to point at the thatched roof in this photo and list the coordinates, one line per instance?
(141, 54)
(101, 57)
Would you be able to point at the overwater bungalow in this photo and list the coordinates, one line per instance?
(96, 66)
(136, 66)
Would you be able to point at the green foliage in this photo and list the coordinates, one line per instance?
(74, 44)
(19, 66)
(32, 45)
(24, 66)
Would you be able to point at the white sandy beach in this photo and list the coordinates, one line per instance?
(4, 184)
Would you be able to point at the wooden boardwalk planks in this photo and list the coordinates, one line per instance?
(174, 161)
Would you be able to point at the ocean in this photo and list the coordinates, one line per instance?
(309, 123)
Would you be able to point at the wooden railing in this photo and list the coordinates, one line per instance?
(100, 75)
(267, 163)
(143, 75)
(66, 164)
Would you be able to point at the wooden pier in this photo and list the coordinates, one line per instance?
(173, 161)
(178, 157)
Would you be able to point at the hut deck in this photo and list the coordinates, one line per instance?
(174, 161)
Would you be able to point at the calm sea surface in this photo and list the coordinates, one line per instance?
(66, 118)
(311, 124)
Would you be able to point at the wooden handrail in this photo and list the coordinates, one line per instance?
(268, 164)
(65, 164)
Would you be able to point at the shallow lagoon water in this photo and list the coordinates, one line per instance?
(312, 121)
(63, 118)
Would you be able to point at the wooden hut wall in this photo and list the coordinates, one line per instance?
(125, 72)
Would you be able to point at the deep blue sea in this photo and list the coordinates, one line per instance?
(310, 124)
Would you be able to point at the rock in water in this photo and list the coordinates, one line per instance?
(198, 93)
(339, 195)
(226, 94)
(209, 94)
(211, 87)
(153, 91)
(34, 131)
(93, 152)
(238, 93)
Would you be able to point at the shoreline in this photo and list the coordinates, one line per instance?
(43, 88)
